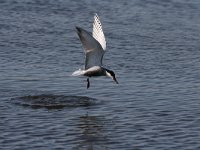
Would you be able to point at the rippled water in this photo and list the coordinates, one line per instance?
(153, 47)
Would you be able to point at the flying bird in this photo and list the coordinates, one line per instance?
(94, 47)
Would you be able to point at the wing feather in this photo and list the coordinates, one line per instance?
(98, 32)
(93, 50)
(94, 45)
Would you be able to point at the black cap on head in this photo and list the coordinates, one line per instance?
(112, 75)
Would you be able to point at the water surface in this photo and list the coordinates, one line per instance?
(153, 47)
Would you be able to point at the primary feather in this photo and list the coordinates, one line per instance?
(98, 32)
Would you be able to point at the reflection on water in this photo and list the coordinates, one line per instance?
(54, 101)
(92, 135)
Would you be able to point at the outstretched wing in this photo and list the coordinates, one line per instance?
(98, 32)
(93, 50)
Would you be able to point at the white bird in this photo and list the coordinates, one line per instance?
(94, 46)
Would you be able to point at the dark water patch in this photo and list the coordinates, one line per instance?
(54, 101)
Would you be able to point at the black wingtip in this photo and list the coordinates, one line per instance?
(78, 29)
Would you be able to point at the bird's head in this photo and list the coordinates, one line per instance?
(111, 74)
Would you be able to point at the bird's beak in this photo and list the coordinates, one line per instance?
(115, 80)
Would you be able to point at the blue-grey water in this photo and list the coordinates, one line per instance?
(153, 46)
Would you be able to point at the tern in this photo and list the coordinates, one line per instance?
(94, 47)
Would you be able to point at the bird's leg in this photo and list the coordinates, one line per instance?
(88, 83)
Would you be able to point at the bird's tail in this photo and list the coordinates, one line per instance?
(78, 72)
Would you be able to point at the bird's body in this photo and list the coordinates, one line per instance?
(94, 46)
(95, 71)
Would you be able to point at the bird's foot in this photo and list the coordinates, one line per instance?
(88, 83)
